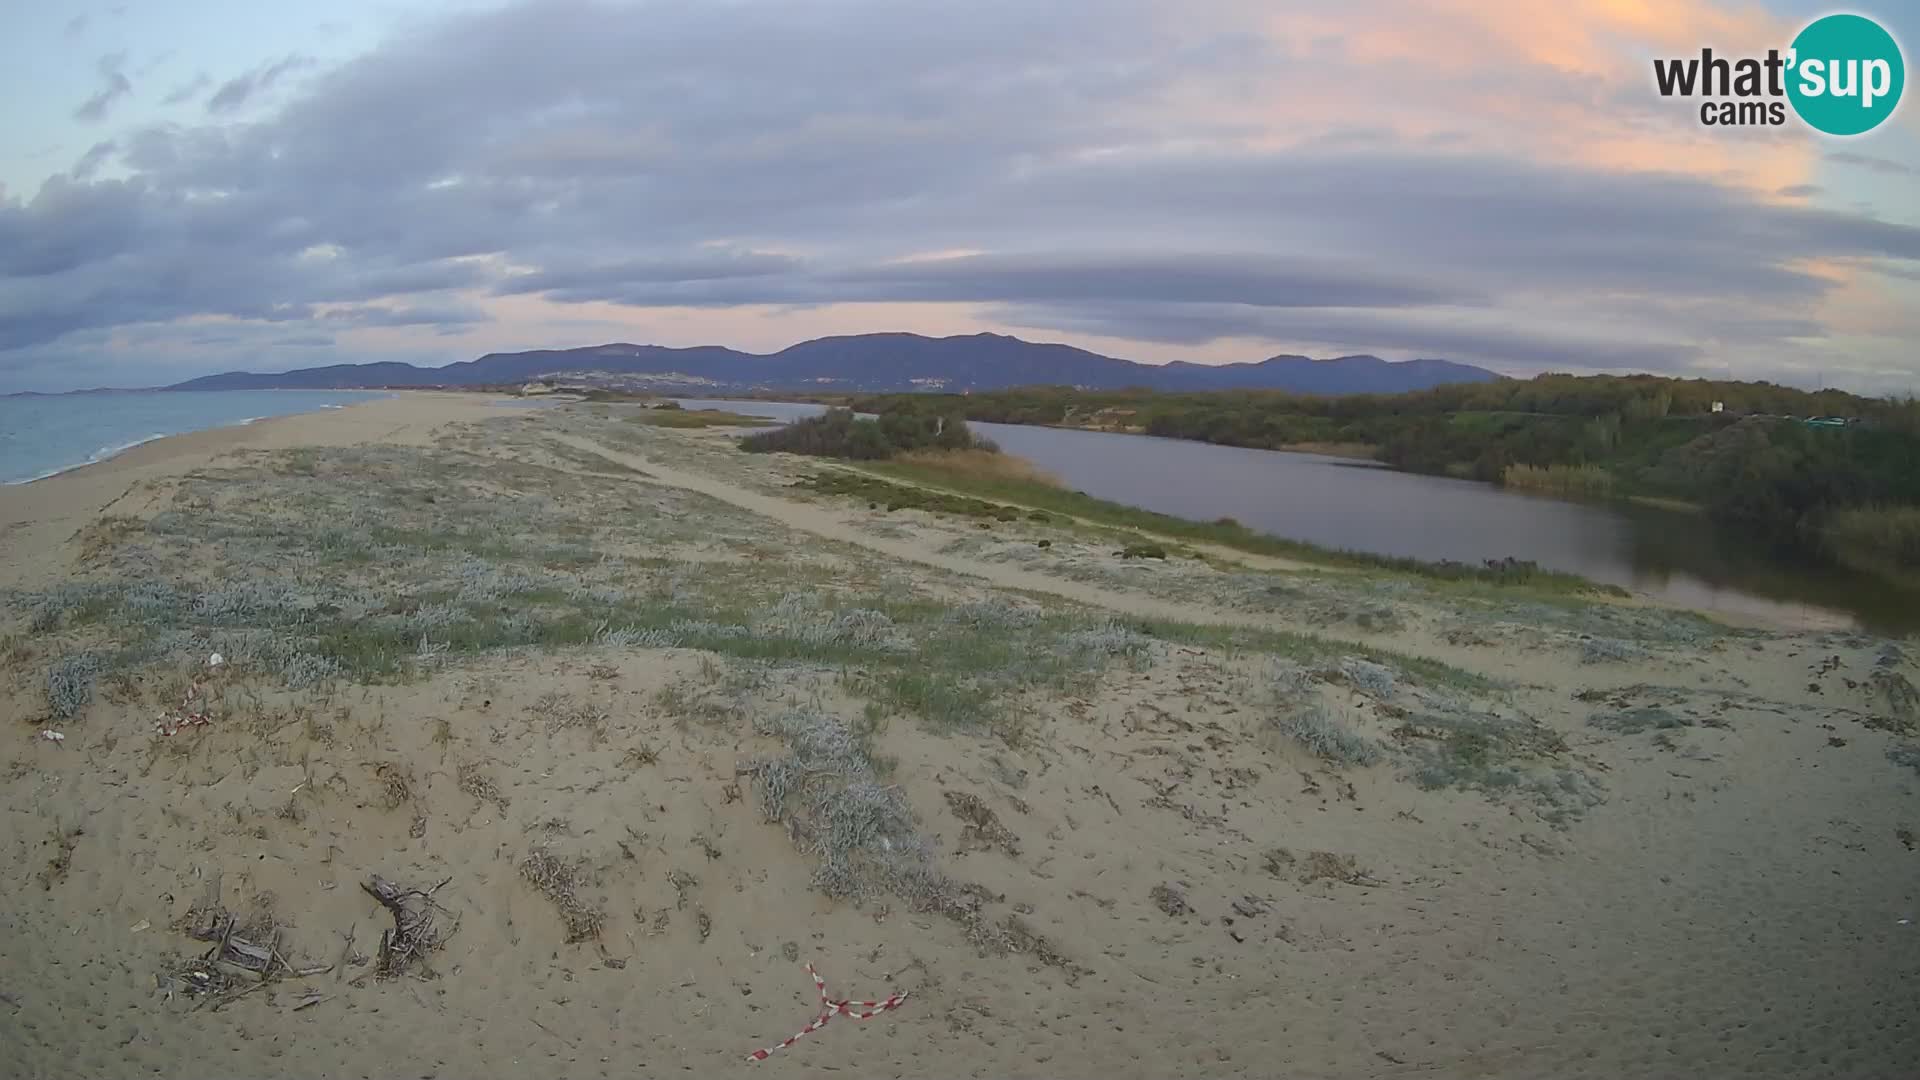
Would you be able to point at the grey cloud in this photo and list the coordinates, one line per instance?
(1875, 164)
(154, 63)
(1904, 273)
(188, 90)
(443, 315)
(1476, 219)
(1263, 281)
(238, 90)
(1358, 331)
(376, 281)
(91, 161)
(660, 155)
(585, 281)
(1194, 278)
(77, 26)
(1799, 191)
(114, 87)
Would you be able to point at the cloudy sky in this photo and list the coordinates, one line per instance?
(195, 185)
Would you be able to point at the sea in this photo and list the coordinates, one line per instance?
(42, 436)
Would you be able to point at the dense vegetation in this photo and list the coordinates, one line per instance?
(1838, 490)
(838, 433)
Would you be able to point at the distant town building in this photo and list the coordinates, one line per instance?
(1719, 406)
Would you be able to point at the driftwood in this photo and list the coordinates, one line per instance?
(415, 932)
(233, 965)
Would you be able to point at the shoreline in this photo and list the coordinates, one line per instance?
(38, 518)
(108, 453)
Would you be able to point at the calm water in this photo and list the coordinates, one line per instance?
(1367, 507)
(41, 436)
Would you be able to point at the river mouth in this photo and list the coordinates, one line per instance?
(1671, 556)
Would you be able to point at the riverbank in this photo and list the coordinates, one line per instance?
(658, 727)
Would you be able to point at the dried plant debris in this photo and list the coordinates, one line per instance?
(557, 713)
(1902, 701)
(682, 883)
(474, 781)
(1248, 907)
(396, 784)
(1319, 866)
(63, 841)
(983, 827)
(417, 931)
(242, 956)
(561, 882)
(1171, 899)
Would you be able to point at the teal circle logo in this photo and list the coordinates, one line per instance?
(1846, 74)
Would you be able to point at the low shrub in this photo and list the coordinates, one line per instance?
(1325, 737)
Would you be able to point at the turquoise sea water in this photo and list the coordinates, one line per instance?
(41, 436)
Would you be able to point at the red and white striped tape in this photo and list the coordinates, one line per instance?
(171, 722)
(852, 1010)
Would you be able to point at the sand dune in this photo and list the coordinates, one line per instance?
(669, 730)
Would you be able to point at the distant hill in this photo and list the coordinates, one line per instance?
(871, 363)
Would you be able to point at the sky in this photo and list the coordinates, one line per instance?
(189, 186)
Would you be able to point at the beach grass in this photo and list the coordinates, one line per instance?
(694, 419)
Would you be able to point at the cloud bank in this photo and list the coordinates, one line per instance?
(1215, 179)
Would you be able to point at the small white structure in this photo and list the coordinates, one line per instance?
(1719, 406)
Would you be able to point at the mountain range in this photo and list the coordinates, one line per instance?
(869, 363)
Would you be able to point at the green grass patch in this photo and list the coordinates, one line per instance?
(699, 418)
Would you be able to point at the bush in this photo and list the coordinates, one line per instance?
(1143, 551)
(70, 683)
(1876, 539)
(1326, 738)
(838, 433)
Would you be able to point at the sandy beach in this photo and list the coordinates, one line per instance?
(646, 729)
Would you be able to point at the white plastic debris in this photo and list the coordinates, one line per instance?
(216, 660)
(53, 736)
